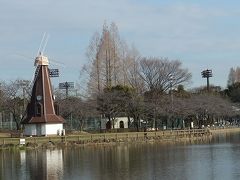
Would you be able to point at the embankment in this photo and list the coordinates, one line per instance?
(105, 138)
(225, 130)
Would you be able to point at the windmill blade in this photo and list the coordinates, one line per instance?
(57, 63)
(23, 55)
(40, 46)
(46, 41)
(34, 77)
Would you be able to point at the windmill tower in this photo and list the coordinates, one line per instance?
(42, 119)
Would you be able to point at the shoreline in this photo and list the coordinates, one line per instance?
(73, 144)
(112, 139)
(225, 130)
(106, 139)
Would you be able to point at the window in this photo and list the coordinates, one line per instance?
(39, 109)
(56, 107)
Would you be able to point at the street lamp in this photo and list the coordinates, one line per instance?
(207, 74)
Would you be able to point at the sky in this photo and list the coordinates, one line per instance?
(201, 34)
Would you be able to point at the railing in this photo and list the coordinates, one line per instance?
(110, 137)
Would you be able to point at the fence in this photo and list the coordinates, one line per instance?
(110, 137)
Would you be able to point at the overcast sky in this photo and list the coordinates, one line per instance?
(201, 34)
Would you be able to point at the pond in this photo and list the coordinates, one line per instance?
(217, 158)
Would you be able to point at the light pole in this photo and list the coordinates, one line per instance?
(171, 90)
(171, 78)
(66, 86)
(207, 74)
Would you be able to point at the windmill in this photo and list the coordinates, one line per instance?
(42, 114)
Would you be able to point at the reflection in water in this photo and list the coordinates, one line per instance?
(217, 159)
(54, 164)
(95, 162)
(33, 164)
(44, 164)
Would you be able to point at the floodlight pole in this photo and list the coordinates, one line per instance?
(207, 74)
(208, 84)
(171, 78)
(67, 86)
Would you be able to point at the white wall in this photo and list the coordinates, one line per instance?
(116, 122)
(52, 129)
(42, 129)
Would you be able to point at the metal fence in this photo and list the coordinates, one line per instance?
(6, 121)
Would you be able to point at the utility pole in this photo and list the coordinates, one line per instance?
(207, 74)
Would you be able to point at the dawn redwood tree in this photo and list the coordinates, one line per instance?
(104, 54)
(110, 62)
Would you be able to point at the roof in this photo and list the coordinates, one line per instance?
(41, 108)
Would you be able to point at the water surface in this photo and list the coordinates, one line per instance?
(215, 159)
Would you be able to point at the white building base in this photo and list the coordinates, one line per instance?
(43, 129)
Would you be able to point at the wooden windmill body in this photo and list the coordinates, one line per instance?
(42, 119)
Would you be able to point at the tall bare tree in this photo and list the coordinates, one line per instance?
(15, 98)
(231, 77)
(104, 59)
(93, 67)
(131, 69)
(162, 74)
(76, 111)
(237, 74)
(1, 96)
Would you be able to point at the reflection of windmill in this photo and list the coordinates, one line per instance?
(42, 114)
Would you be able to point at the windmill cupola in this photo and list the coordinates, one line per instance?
(41, 60)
